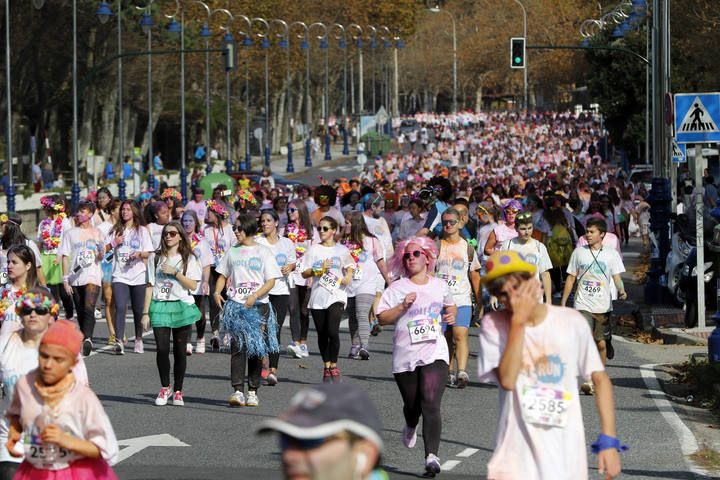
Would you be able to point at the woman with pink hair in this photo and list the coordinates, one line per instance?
(417, 304)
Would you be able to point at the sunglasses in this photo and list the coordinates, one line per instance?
(292, 210)
(524, 216)
(452, 223)
(171, 234)
(39, 310)
(236, 229)
(287, 441)
(324, 229)
(323, 197)
(416, 254)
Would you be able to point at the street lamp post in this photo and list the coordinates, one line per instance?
(454, 32)
(326, 98)
(206, 34)
(247, 42)
(372, 36)
(175, 28)
(285, 43)
(305, 45)
(396, 74)
(8, 112)
(265, 44)
(227, 39)
(356, 32)
(342, 37)
(525, 68)
(146, 23)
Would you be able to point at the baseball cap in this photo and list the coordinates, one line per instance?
(326, 410)
(504, 262)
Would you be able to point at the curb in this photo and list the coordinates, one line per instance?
(673, 337)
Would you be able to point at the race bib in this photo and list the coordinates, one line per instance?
(165, 289)
(453, 281)
(38, 453)
(86, 258)
(423, 329)
(245, 289)
(123, 257)
(544, 405)
(330, 281)
(592, 288)
(357, 273)
(3, 275)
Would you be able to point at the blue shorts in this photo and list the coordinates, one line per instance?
(463, 317)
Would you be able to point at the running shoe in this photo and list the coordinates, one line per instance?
(111, 339)
(375, 328)
(98, 314)
(304, 350)
(119, 348)
(335, 375)
(354, 351)
(200, 347)
(409, 436)
(364, 354)
(189, 349)
(610, 350)
(462, 379)
(162, 397)
(87, 347)
(178, 399)
(215, 343)
(294, 351)
(237, 399)
(327, 376)
(139, 348)
(252, 399)
(587, 388)
(451, 381)
(432, 464)
(272, 379)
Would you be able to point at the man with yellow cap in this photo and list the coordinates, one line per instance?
(535, 352)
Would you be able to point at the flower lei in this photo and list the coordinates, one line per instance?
(36, 300)
(7, 299)
(298, 235)
(354, 248)
(217, 208)
(171, 193)
(51, 231)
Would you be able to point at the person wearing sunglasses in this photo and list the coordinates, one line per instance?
(22, 276)
(250, 272)
(331, 267)
(37, 309)
(173, 274)
(81, 250)
(419, 304)
(504, 230)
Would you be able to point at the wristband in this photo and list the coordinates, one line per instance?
(146, 313)
(604, 442)
(66, 278)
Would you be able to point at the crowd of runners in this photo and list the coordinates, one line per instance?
(495, 221)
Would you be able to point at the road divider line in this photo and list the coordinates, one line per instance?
(468, 452)
(449, 465)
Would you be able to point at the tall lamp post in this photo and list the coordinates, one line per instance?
(341, 35)
(227, 41)
(525, 68)
(372, 37)
(206, 34)
(437, 9)
(285, 43)
(247, 42)
(356, 32)
(305, 45)
(179, 29)
(146, 23)
(8, 113)
(326, 98)
(265, 44)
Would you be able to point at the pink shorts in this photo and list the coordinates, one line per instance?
(85, 469)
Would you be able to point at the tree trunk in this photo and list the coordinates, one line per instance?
(85, 128)
(107, 136)
(478, 97)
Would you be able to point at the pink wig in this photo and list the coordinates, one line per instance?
(397, 265)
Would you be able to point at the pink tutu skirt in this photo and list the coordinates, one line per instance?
(85, 469)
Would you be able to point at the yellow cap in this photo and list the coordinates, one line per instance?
(504, 262)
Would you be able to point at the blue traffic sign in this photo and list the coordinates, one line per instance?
(697, 116)
(679, 155)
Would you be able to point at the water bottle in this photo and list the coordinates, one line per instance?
(50, 449)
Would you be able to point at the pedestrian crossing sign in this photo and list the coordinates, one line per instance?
(697, 116)
(678, 152)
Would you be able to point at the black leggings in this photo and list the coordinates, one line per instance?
(162, 339)
(214, 309)
(299, 314)
(58, 291)
(200, 324)
(280, 305)
(122, 294)
(422, 391)
(327, 324)
(8, 469)
(85, 298)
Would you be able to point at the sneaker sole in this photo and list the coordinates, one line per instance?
(432, 470)
(179, 404)
(364, 355)
(236, 404)
(251, 404)
(462, 382)
(86, 348)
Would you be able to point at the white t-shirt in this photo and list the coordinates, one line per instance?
(126, 270)
(327, 288)
(366, 269)
(201, 249)
(155, 234)
(593, 271)
(379, 228)
(167, 288)
(284, 252)
(81, 246)
(247, 269)
(525, 449)
(220, 241)
(452, 268)
(534, 252)
(426, 311)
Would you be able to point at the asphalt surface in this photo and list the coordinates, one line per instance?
(221, 441)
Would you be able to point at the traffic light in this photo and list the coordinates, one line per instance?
(517, 52)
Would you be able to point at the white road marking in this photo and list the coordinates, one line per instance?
(449, 465)
(136, 445)
(468, 452)
(688, 443)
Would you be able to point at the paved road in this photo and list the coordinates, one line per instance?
(221, 442)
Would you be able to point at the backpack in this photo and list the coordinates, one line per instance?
(560, 246)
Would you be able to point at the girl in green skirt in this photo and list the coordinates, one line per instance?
(173, 273)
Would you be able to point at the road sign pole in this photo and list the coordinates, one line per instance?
(700, 236)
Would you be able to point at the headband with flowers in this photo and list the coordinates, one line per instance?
(217, 208)
(171, 193)
(247, 196)
(35, 300)
(48, 202)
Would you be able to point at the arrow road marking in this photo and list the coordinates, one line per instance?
(138, 444)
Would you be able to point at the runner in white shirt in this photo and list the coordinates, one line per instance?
(173, 274)
(283, 249)
(201, 249)
(331, 267)
(131, 244)
(160, 214)
(250, 272)
(81, 250)
(106, 265)
(374, 205)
